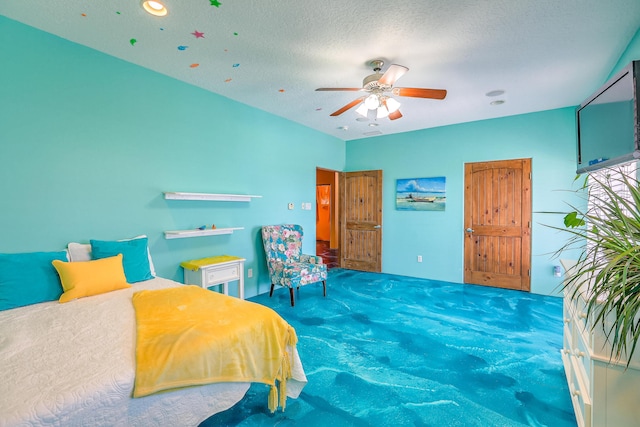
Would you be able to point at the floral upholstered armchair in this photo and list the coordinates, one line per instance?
(287, 265)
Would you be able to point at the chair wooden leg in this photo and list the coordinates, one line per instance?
(291, 293)
(324, 288)
(271, 291)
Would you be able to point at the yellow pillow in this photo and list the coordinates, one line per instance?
(86, 278)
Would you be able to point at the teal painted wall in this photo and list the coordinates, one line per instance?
(88, 143)
(548, 138)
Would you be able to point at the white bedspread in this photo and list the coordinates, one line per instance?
(73, 365)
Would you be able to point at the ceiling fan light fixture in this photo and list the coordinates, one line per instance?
(154, 8)
(372, 101)
(362, 110)
(382, 113)
(392, 105)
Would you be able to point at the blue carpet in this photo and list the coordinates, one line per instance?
(385, 350)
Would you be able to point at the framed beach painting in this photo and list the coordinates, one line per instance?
(421, 194)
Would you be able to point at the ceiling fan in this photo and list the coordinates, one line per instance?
(378, 105)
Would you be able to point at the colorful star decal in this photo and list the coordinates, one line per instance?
(194, 65)
(198, 34)
(182, 47)
(215, 3)
(227, 80)
(133, 41)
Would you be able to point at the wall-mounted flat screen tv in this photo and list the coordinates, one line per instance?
(608, 123)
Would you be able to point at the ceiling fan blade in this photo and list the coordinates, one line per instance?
(393, 73)
(346, 107)
(395, 115)
(419, 93)
(350, 89)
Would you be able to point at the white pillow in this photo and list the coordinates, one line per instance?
(82, 252)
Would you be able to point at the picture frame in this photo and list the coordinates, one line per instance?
(421, 194)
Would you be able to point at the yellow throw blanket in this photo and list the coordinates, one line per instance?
(191, 336)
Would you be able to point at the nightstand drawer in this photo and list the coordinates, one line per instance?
(217, 275)
(216, 270)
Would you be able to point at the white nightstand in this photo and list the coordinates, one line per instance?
(218, 270)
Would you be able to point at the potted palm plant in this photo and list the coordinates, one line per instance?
(607, 233)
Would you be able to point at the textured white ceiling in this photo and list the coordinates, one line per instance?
(544, 54)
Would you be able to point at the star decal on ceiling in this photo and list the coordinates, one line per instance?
(198, 34)
(215, 3)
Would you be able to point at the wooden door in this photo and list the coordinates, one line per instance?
(361, 220)
(497, 221)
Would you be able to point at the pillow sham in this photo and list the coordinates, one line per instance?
(83, 279)
(82, 252)
(29, 278)
(135, 259)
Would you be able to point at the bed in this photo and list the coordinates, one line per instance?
(74, 364)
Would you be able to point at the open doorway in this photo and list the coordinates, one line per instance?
(327, 225)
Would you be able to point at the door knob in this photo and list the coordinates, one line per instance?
(377, 226)
(469, 230)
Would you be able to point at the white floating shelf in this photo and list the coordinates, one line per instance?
(182, 234)
(209, 196)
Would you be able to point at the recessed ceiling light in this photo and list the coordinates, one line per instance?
(495, 93)
(498, 102)
(373, 124)
(154, 8)
(362, 119)
(343, 127)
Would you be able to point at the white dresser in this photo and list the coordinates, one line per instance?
(603, 393)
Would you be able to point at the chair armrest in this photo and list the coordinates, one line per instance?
(311, 259)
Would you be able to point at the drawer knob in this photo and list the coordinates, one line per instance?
(567, 321)
(576, 392)
(579, 353)
(582, 315)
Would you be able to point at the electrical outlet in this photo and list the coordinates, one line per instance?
(419, 258)
(250, 273)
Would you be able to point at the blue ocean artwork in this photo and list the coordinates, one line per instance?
(421, 194)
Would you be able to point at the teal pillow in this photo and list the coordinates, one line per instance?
(135, 257)
(29, 278)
